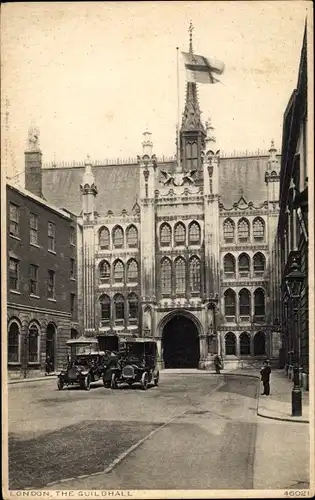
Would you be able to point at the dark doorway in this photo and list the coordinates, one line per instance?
(259, 344)
(180, 343)
(50, 348)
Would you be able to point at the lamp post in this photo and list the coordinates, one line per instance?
(294, 283)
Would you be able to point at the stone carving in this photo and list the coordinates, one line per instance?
(178, 178)
(33, 139)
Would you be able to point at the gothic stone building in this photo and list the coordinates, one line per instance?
(176, 251)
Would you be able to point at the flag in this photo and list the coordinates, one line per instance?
(200, 69)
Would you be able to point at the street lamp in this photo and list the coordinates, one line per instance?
(294, 283)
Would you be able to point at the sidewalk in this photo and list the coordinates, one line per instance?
(277, 406)
(19, 380)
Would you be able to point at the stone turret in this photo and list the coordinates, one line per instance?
(88, 191)
(33, 163)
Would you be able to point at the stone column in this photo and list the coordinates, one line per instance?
(203, 351)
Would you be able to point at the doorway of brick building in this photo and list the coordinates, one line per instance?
(180, 342)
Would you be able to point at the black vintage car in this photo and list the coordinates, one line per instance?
(137, 363)
(86, 364)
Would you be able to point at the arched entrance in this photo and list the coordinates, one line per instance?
(50, 348)
(259, 344)
(180, 343)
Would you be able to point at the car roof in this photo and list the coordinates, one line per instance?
(93, 353)
(140, 340)
(82, 340)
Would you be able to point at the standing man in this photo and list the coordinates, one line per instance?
(265, 378)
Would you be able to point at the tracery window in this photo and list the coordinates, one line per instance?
(229, 302)
(133, 306)
(132, 236)
(244, 344)
(243, 264)
(180, 275)
(118, 271)
(180, 234)
(132, 271)
(229, 265)
(194, 274)
(194, 233)
(104, 237)
(228, 230)
(259, 303)
(105, 309)
(230, 344)
(259, 264)
(119, 307)
(165, 235)
(243, 230)
(258, 229)
(244, 302)
(118, 237)
(166, 277)
(104, 271)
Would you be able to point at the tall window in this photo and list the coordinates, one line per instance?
(33, 344)
(103, 237)
(244, 344)
(118, 237)
(72, 236)
(194, 234)
(230, 344)
(132, 271)
(51, 284)
(14, 214)
(118, 271)
(228, 230)
(105, 309)
(258, 229)
(166, 277)
(243, 264)
(194, 274)
(259, 264)
(13, 274)
(73, 308)
(33, 280)
(104, 271)
(132, 236)
(180, 234)
(243, 230)
(13, 343)
(229, 303)
(119, 304)
(244, 302)
(191, 155)
(165, 235)
(33, 229)
(180, 275)
(259, 301)
(72, 269)
(51, 237)
(229, 265)
(132, 306)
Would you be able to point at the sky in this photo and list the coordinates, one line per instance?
(93, 75)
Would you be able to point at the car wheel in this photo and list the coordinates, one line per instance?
(113, 383)
(60, 384)
(144, 381)
(87, 383)
(156, 379)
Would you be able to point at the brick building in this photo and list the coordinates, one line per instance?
(41, 275)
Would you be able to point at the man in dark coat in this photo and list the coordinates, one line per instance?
(265, 378)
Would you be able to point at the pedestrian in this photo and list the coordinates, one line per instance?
(265, 378)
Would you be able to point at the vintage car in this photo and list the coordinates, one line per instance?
(86, 364)
(136, 364)
(112, 347)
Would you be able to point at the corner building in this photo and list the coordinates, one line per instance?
(176, 251)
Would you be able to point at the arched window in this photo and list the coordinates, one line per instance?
(194, 233)
(244, 302)
(166, 277)
(13, 343)
(165, 235)
(105, 309)
(118, 271)
(243, 264)
(259, 344)
(103, 237)
(194, 275)
(33, 344)
(229, 302)
(229, 265)
(228, 230)
(104, 271)
(132, 236)
(259, 264)
(118, 237)
(180, 234)
(244, 344)
(119, 308)
(243, 230)
(230, 344)
(180, 275)
(132, 271)
(258, 229)
(132, 306)
(259, 304)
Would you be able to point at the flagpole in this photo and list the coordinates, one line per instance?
(178, 113)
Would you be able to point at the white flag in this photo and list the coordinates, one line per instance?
(200, 69)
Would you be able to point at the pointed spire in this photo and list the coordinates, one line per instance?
(190, 29)
(147, 144)
(272, 152)
(88, 177)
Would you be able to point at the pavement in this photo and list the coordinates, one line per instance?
(276, 406)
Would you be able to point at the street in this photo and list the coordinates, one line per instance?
(194, 431)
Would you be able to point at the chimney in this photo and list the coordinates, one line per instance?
(33, 164)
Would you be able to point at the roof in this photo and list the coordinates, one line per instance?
(82, 340)
(118, 185)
